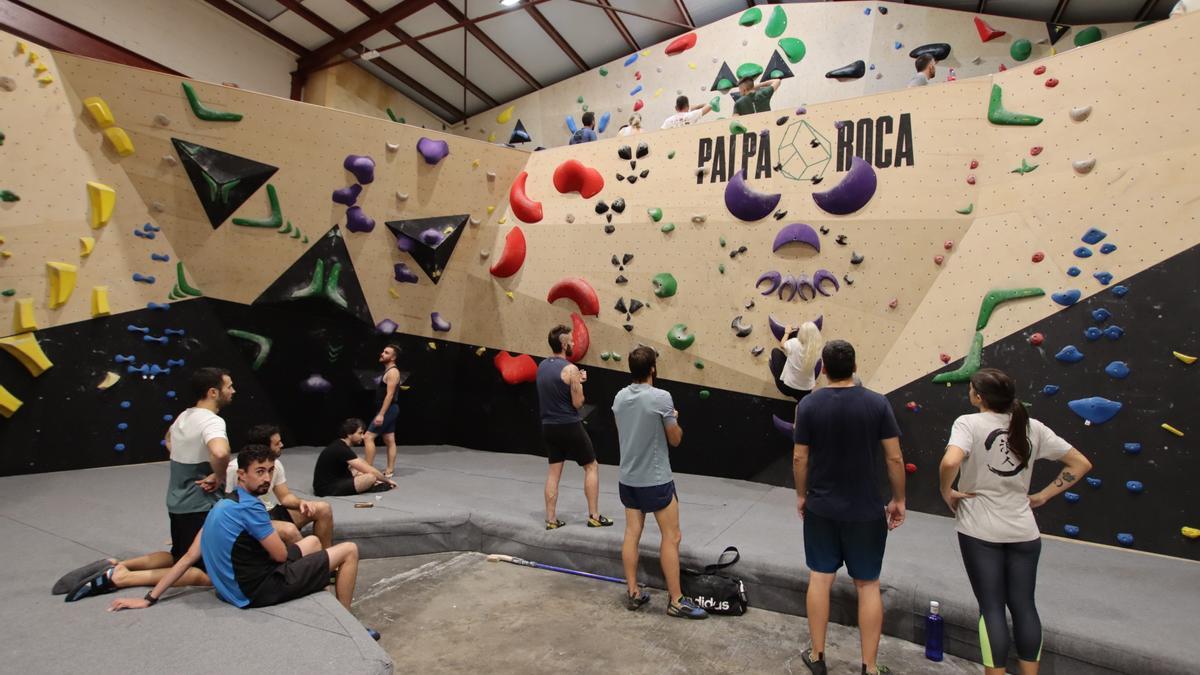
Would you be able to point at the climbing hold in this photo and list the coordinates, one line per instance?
(1067, 298)
(439, 324)
(945, 358)
(1025, 167)
(736, 127)
(632, 58)
(1120, 290)
(1073, 271)
(855, 258)
(578, 290)
(1171, 429)
(1087, 36)
(664, 284)
(740, 329)
(1070, 497)
(636, 90)
(679, 337)
(1069, 354)
(1123, 538)
(638, 105)
(1082, 252)
(1036, 339)
(698, 219)
(799, 233)
(25, 348)
(851, 71)
(750, 17)
(747, 204)
(852, 193)
(1114, 332)
(777, 23)
(275, 220)
(939, 259)
(573, 176)
(966, 210)
(1095, 410)
(1189, 360)
(655, 214)
(775, 279)
(1081, 113)
(361, 166)
(1051, 82)
(513, 257)
(970, 363)
(1108, 248)
(938, 50)
(62, 282)
(515, 369)
(823, 276)
(1036, 150)
(522, 206)
(347, 196)
(101, 199)
(971, 179)
(995, 297)
(1093, 236)
(1071, 530)
(1038, 257)
(395, 147)
(505, 115)
(1190, 532)
(86, 244)
(1083, 166)
(1092, 333)
(986, 32)
(204, 113)
(681, 44)
(793, 49)
(433, 151)
(120, 141)
(998, 115)
(1103, 277)
(1050, 389)
(1117, 370)
(1020, 49)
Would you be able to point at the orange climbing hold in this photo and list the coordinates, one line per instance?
(513, 257)
(579, 291)
(522, 206)
(573, 176)
(681, 44)
(515, 369)
(986, 32)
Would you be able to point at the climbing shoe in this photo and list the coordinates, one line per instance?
(599, 521)
(98, 585)
(684, 608)
(633, 602)
(554, 525)
(73, 578)
(374, 634)
(881, 669)
(814, 661)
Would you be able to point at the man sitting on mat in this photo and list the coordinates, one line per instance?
(249, 564)
(646, 422)
(288, 512)
(340, 473)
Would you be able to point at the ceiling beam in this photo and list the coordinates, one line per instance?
(630, 12)
(982, 4)
(425, 53)
(262, 28)
(478, 34)
(1059, 10)
(620, 25)
(683, 11)
(372, 26)
(557, 37)
(1146, 9)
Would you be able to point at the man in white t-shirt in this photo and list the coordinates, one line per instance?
(288, 513)
(926, 67)
(685, 114)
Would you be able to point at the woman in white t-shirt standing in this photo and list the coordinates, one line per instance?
(991, 452)
(794, 363)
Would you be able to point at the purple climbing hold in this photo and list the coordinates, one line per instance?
(1066, 298)
(1092, 333)
(747, 204)
(803, 282)
(825, 275)
(439, 324)
(386, 327)
(1095, 410)
(362, 167)
(1103, 277)
(777, 328)
(1100, 315)
(1050, 389)
(1093, 236)
(782, 426)
(1114, 332)
(852, 193)
(1083, 252)
(406, 244)
(1108, 248)
(431, 237)
(433, 151)
(773, 277)
(1074, 271)
(315, 384)
(357, 221)
(801, 110)
(1118, 370)
(404, 274)
(799, 233)
(788, 284)
(347, 196)
(1069, 354)
(1120, 291)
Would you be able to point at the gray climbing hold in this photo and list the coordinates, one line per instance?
(1084, 165)
(162, 120)
(699, 219)
(740, 329)
(570, 218)
(483, 253)
(402, 196)
(392, 147)
(7, 83)
(170, 160)
(1081, 113)
(474, 221)
(491, 175)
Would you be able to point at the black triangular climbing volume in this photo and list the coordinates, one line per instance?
(222, 181)
(322, 279)
(1056, 31)
(430, 241)
(726, 80)
(777, 68)
(519, 134)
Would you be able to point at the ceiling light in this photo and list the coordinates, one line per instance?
(508, 3)
(369, 55)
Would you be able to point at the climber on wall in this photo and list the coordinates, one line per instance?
(587, 132)
(754, 98)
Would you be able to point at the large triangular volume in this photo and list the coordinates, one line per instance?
(322, 279)
(1056, 31)
(726, 80)
(777, 68)
(519, 134)
(430, 241)
(222, 181)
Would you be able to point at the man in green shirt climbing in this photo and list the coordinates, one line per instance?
(754, 98)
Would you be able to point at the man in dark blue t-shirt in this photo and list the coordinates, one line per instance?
(839, 432)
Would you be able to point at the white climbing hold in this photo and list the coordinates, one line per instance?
(162, 120)
(491, 175)
(7, 83)
(483, 253)
(879, 76)
(658, 69)
(745, 42)
(393, 147)
(899, 25)
(170, 160)
(704, 87)
(977, 60)
(714, 59)
(1081, 113)
(474, 221)
(570, 218)
(699, 218)
(402, 196)
(1084, 165)
(157, 207)
(699, 171)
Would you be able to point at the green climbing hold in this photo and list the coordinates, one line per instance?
(305, 240)
(721, 241)
(182, 287)
(286, 228)
(392, 115)
(616, 356)
(655, 214)
(9, 196)
(585, 108)
(749, 70)
(8, 292)
(1021, 49)
(604, 356)
(699, 364)
(793, 49)
(970, 364)
(314, 285)
(263, 343)
(715, 103)
(679, 337)
(777, 23)
(1087, 36)
(1025, 167)
(671, 155)
(275, 220)
(664, 284)
(998, 115)
(966, 210)
(721, 268)
(204, 113)
(998, 296)
(669, 227)
(750, 17)
(295, 233)
(704, 394)
(333, 290)
(579, 100)
(736, 127)
(604, 72)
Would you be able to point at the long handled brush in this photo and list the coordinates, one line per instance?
(497, 557)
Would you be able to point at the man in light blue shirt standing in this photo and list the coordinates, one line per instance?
(646, 423)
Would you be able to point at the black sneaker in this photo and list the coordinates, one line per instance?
(97, 585)
(817, 665)
(879, 668)
(685, 608)
(633, 602)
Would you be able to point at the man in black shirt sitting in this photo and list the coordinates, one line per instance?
(339, 472)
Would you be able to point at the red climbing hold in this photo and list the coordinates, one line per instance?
(939, 259)
(974, 164)
(894, 303)
(637, 75)
(1003, 67)
(573, 176)
(522, 206)
(681, 44)
(578, 290)
(1036, 339)
(1039, 70)
(911, 405)
(581, 338)
(971, 179)
(638, 105)
(513, 257)
(948, 244)
(910, 468)
(1039, 257)
(515, 369)
(986, 32)
(1035, 150)
(944, 357)
(1052, 82)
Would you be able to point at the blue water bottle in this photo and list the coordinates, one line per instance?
(933, 632)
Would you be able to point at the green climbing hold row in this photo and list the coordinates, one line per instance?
(750, 17)
(664, 284)
(994, 298)
(721, 241)
(8, 292)
(275, 220)
(715, 103)
(393, 116)
(996, 113)
(181, 282)
(704, 394)
(1025, 167)
(966, 210)
(749, 70)
(679, 337)
(970, 364)
(655, 214)
(669, 227)
(1087, 36)
(699, 364)
(721, 268)
(604, 72)
(736, 127)
(579, 100)
(777, 23)
(793, 49)
(9, 196)
(1021, 49)
(204, 113)
(262, 342)
(671, 155)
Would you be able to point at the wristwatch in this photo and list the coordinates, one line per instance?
(149, 598)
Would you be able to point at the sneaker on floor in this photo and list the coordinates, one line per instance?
(599, 521)
(815, 664)
(98, 585)
(75, 577)
(879, 668)
(374, 634)
(633, 602)
(554, 525)
(686, 609)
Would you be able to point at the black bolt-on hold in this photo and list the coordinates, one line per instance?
(635, 305)
(601, 207)
(621, 279)
(848, 279)
(816, 180)
(780, 215)
(620, 306)
(781, 121)
(841, 239)
(609, 229)
(749, 304)
(756, 350)
(620, 178)
(644, 173)
(608, 217)
(632, 179)
(855, 259)
(624, 152)
(615, 261)
(642, 150)
(618, 205)
(628, 328)
(627, 258)
(742, 249)
(824, 230)
(633, 165)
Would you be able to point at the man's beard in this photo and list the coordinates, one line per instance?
(262, 489)
(568, 350)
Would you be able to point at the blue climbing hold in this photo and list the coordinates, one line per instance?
(603, 124)
(1108, 248)
(1100, 315)
(1117, 370)
(119, 447)
(1069, 354)
(1134, 486)
(571, 124)
(629, 61)
(126, 404)
(872, 66)
(1094, 236)
(1133, 448)
(867, 11)
(636, 90)
(1050, 389)
(897, 45)
(171, 393)
(1066, 298)
(151, 228)
(1083, 252)
(1114, 332)
(1095, 410)
(168, 417)
(1094, 482)
(1071, 497)
(122, 426)
(1103, 277)
(1071, 530)
(1073, 271)
(1093, 333)
(1120, 291)
(1125, 539)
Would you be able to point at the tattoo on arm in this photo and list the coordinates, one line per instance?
(1065, 479)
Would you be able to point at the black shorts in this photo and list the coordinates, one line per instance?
(184, 528)
(568, 440)
(280, 512)
(301, 575)
(342, 487)
(828, 543)
(650, 499)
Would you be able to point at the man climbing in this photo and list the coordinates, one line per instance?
(384, 423)
(340, 473)
(560, 396)
(926, 69)
(587, 132)
(754, 98)
(686, 114)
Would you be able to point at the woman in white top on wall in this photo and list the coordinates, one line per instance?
(794, 363)
(991, 452)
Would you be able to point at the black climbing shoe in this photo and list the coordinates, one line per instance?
(555, 524)
(817, 665)
(599, 521)
(633, 602)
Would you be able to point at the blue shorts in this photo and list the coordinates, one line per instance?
(647, 499)
(389, 422)
(828, 543)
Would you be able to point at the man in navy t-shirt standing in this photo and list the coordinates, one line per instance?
(839, 432)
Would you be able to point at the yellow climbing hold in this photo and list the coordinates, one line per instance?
(110, 378)
(21, 48)
(40, 68)
(505, 115)
(645, 52)
(100, 111)
(492, 137)
(33, 56)
(1189, 532)
(62, 282)
(491, 209)
(1185, 358)
(431, 345)
(5, 254)
(100, 301)
(46, 79)
(509, 294)
(475, 164)
(503, 220)
(102, 199)
(120, 141)
(658, 92)
(26, 349)
(9, 403)
(23, 320)
(1172, 429)
(392, 292)
(481, 351)
(86, 244)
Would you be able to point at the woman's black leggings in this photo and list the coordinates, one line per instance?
(1004, 574)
